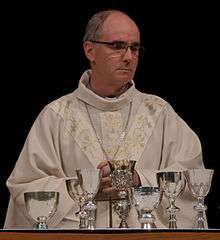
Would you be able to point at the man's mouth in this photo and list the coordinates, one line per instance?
(125, 69)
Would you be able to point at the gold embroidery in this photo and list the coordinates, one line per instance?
(111, 125)
(141, 130)
(77, 125)
(134, 144)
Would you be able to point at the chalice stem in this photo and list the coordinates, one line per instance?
(82, 218)
(123, 223)
(124, 214)
(91, 219)
(147, 220)
(172, 221)
(200, 220)
(172, 210)
(200, 208)
(41, 225)
(90, 210)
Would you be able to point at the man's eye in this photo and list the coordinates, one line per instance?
(118, 45)
(134, 48)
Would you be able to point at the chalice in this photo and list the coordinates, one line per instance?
(122, 179)
(41, 206)
(146, 199)
(83, 189)
(172, 185)
(199, 183)
(74, 188)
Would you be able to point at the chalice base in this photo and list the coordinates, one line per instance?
(123, 224)
(148, 226)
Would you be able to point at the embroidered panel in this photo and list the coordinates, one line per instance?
(77, 124)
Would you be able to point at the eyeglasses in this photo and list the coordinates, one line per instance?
(122, 47)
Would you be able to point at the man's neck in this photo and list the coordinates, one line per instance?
(109, 91)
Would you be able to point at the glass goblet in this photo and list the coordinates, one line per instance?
(172, 185)
(199, 183)
(83, 189)
(146, 199)
(122, 179)
(90, 184)
(74, 188)
(41, 206)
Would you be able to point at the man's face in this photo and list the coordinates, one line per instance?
(112, 66)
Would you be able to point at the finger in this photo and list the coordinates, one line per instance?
(105, 180)
(136, 180)
(105, 171)
(109, 190)
(105, 184)
(102, 164)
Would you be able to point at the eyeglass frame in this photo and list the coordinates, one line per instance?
(135, 52)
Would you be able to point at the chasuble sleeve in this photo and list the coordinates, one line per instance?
(181, 146)
(39, 168)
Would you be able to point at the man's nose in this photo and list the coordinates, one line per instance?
(128, 55)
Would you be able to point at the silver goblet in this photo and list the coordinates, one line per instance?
(84, 190)
(172, 184)
(199, 183)
(122, 179)
(146, 199)
(41, 206)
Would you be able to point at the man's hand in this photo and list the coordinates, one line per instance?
(136, 180)
(106, 186)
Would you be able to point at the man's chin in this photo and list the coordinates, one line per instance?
(123, 80)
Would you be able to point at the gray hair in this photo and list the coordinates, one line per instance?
(94, 27)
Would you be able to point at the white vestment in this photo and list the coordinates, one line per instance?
(62, 139)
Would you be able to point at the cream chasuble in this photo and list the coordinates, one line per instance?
(63, 139)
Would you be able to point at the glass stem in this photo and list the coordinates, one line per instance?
(90, 208)
(147, 220)
(82, 218)
(172, 221)
(41, 225)
(200, 208)
(172, 210)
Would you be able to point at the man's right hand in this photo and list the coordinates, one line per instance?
(106, 186)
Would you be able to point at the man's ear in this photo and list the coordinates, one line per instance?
(89, 50)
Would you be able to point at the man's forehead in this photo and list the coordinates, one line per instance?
(120, 27)
(121, 35)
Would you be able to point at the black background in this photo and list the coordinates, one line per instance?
(43, 60)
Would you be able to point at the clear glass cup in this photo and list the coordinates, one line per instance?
(172, 185)
(199, 183)
(83, 189)
(74, 188)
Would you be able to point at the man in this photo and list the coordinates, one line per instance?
(105, 119)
